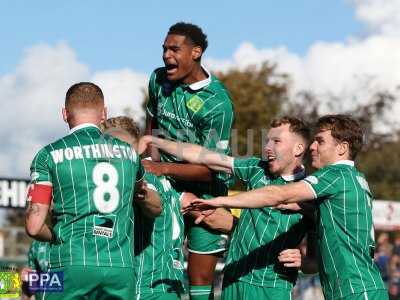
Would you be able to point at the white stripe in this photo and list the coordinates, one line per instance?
(123, 204)
(334, 228)
(260, 213)
(207, 252)
(76, 212)
(345, 228)
(63, 208)
(212, 96)
(268, 252)
(88, 200)
(95, 237)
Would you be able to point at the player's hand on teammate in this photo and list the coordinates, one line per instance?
(290, 258)
(144, 143)
(205, 205)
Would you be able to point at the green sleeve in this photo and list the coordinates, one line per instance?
(151, 106)
(246, 168)
(31, 256)
(40, 168)
(140, 169)
(215, 120)
(324, 182)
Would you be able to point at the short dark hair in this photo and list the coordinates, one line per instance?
(191, 31)
(123, 123)
(296, 126)
(84, 95)
(343, 128)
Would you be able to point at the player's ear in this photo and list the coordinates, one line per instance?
(65, 114)
(196, 53)
(104, 114)
(299, 149)
(343, 148)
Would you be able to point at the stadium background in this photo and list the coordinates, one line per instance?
(303, 58)
(14, 243)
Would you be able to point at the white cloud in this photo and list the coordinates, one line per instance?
(355, 68)
(32, 97)
(381, 16)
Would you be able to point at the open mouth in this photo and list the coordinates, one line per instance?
(171, 68)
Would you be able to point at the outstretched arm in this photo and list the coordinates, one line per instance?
(272, 195)
(184, 172)
(192, 153)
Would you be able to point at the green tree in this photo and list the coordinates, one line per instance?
(258, 94)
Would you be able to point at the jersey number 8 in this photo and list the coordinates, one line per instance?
(106, 194)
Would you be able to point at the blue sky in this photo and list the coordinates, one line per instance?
(117, 34)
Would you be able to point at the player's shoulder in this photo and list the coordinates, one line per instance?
(158, 76)
(215, 91)
(330, 174)
(249, 162)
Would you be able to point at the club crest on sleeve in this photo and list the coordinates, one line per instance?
(195, 103)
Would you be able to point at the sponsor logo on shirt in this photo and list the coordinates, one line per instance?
(195, 103)
(163, 112)
(104, 226)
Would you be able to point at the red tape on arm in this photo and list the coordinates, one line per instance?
(40, 193)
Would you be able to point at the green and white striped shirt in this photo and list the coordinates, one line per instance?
(93, 178)
(345, 231)
(261, 234)
(38, 256)
(199, 113)
(158, 261)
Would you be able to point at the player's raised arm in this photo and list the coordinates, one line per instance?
(192, 153)
(273, 195)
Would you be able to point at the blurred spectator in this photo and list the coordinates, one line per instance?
(383, 254)
(396, 248)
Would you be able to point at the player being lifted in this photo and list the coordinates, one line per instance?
(158, 261)
(260, 254)
(91, 179)
(345, 231)
(187, 103)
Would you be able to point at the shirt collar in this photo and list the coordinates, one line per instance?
(80, 126)
(202, 83)
(344, 162)
(296, 176)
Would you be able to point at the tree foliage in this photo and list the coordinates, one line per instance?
(258, 94)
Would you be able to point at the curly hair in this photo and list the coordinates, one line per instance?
(121, 123)
(191, 31)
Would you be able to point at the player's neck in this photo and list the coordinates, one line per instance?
(76, 123)
(293, 170)
(197, 74)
